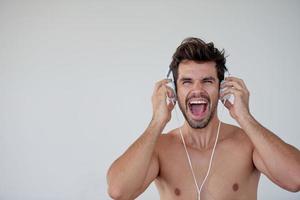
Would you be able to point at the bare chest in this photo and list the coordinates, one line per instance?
(232, 174)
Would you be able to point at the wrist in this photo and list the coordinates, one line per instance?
(160, 118)
(245, 120)
(158, 122)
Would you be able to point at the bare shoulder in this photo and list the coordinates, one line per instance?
(168, 141)
(235, 135)
(168, 138)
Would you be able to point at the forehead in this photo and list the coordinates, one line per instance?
(193, 69)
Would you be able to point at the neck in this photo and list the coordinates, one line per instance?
(203, 138)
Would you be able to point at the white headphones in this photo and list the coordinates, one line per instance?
(170, 76)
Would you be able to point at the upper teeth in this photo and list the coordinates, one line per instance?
(197, 102)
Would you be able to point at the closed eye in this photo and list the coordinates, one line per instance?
(185, 81)
(209, 80)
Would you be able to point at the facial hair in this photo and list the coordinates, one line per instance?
(198, 124)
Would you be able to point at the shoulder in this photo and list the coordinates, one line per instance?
(167, 141)
(236, 135)
(169, 137)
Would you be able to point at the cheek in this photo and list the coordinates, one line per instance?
(214, 93)
(181, 95)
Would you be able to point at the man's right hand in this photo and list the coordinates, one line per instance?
(161, 108)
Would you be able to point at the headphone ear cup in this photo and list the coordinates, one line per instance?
(172, 86)
(228, 97)
(174, 90)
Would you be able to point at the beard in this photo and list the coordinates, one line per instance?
(198, 124)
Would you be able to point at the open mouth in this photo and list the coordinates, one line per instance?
(198, 108)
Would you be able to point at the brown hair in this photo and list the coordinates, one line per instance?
(197, 50)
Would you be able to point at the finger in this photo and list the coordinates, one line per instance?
(229, 84)
(228, 91)
(165, 92)
(235, 79)
(171, 105)
(170, 91)
(227, 104)
(241, 83)
(160, 83)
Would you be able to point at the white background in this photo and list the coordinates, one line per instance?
(76, 79)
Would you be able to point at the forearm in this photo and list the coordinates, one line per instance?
(129, 171)
(272, 156)
(281, 159)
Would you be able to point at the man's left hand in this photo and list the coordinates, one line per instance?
(239, 109)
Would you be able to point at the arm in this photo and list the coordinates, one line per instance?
(132, 172)
(278, 160)
(272, 156)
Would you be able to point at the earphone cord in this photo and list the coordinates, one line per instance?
(189, 159)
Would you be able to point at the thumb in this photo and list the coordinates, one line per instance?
(227, 104)
(171, 104)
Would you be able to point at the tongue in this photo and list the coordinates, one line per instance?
(198, 109)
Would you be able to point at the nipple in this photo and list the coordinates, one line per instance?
(177, 192)
(235, 187)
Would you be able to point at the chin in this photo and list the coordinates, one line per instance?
(199, 124)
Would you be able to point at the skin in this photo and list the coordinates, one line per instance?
(240, 156)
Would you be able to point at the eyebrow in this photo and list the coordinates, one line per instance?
(209, 78)
(185, 79)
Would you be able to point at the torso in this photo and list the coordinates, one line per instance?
(232, 176)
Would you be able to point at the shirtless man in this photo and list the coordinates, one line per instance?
(241, 153)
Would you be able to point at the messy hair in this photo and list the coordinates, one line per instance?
(197, 50)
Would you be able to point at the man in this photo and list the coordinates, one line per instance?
(241, 154)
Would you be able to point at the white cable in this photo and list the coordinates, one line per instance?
(189, 159)
(185, 148)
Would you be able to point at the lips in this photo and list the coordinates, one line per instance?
(198, 107)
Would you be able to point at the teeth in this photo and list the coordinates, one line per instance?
(198, 102)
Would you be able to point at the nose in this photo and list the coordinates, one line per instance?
(197, 88)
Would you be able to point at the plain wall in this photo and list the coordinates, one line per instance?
(76, 79)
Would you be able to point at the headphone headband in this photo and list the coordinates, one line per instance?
(169, 72)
